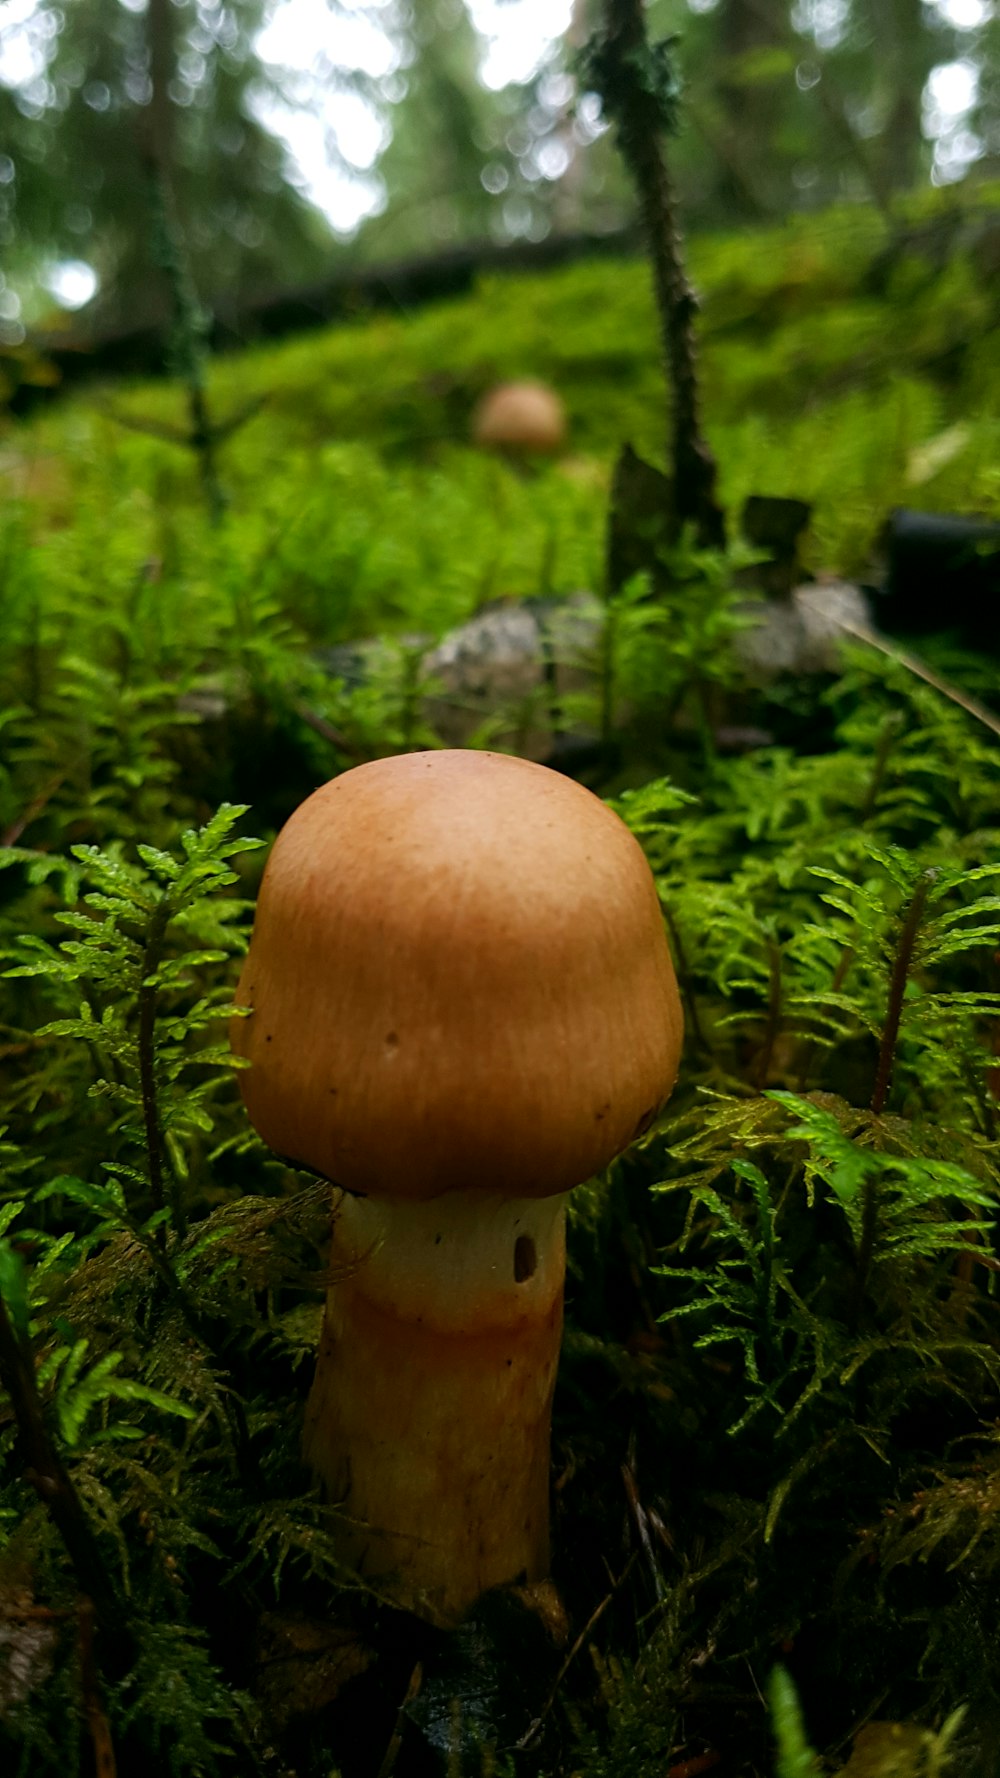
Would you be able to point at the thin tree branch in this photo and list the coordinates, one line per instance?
(48, 1476)
(897, 988)
(639, 112)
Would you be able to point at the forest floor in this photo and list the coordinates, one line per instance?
(775, 1459)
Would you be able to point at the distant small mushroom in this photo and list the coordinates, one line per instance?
(525, 417)
(463, 1005)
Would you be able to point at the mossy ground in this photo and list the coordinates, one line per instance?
(782, 1448)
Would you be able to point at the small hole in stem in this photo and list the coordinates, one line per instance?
(525, 1259)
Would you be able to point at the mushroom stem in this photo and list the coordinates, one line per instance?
(429, 1415)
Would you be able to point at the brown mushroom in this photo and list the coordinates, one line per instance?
(524, 417)
(463, 1005)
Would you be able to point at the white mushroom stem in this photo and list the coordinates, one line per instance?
(429, 1414)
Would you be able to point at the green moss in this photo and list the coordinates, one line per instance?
(775, 1429)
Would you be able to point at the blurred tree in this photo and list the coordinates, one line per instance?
(466, 161)
(636, 81)
(868, 80)
(799, 102)
(76, 132)
(754, 58)
(447, 161)
(985, 118)
(787, 103)
(904, 54)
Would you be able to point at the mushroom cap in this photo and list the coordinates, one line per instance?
(523, 416)
(458, 977)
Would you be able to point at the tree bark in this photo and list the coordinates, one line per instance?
(160, 46)
(905, 53)
(47, 1474)
(640, 128)
(747, 27)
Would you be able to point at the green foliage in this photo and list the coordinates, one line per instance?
(146, 935)
(76, 133)
(665, 657)
(128, 1304)
(817, 384)
(649, 70)
(188, 1717)
(79, 1392)
(775, 1425)
(801, 1348)
(795, 1758)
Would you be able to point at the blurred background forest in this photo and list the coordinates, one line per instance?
(303, 138)
(776, 1421)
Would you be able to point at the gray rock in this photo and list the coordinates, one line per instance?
(501, 679)
(503, 676)
(804, 633)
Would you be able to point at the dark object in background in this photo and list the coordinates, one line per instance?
(641, 521)
(347, 294)
(489, 1682)
(942, 573)
(775, 527)
(639, 86)
(642, 531)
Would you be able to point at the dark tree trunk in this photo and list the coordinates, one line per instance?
(746, 28)
(161, 47)
(639, 116)
(905, 53)
(44, 1469)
